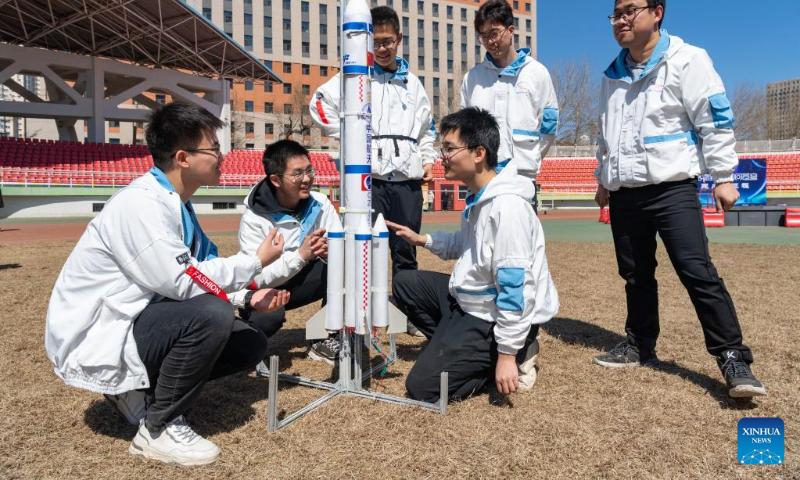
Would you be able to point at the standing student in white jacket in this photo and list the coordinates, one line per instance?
(139, 311)
(284, 201)
(515, 88)
(664, 120)
(483, 319)
(403, 133)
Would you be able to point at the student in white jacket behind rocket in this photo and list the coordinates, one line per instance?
(515, 88)
(139, 311)
(483, 319)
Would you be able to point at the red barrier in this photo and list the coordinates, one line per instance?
(792, 217)
(605, 216)
(713, 218)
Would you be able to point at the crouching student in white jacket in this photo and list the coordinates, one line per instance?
(139, 311)
(284, 200)
(483, 319)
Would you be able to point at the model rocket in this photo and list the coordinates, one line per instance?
(358, 254)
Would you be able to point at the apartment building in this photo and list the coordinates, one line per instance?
(783, 109)
(299, 41)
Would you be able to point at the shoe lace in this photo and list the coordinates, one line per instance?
(735, 369)
(182, 430)
(332, 344)
(621, 349)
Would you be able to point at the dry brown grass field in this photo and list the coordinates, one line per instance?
(580, 420)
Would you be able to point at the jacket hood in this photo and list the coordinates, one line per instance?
(400, 74)
(507, 182)
(262, 201)
(512, 70)
(667, 47)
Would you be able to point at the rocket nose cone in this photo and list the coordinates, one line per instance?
(357, 11)
(363, 227)
(335, 225)
(380, 225)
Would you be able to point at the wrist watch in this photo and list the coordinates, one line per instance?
(247, 297)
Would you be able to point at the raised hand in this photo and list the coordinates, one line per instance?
(271, 248)
(407, 234)
(269, 299)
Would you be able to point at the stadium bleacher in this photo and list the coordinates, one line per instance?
(47, 162)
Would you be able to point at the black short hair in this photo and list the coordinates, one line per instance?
(653, 4)
(178, 126)
(382, 16)
(278, 154)
(476, 127)
(494, 11)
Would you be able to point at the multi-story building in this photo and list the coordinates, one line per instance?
(783, 109)
(17, 126)
(298, 40)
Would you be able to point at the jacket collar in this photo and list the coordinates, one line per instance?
(619, 71)
(507, 182)
(400, 74)
(512, 70)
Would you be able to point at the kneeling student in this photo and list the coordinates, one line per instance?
(482, 320)
(131, 315)
(284, 200)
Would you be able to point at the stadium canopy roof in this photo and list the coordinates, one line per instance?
(158, 33)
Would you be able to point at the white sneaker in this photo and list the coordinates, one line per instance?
(413, 331)
(130, 404)
(529, 368)
(175, 444)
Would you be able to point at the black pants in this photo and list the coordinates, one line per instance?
(399, 202)
(460, 344)
(308, 286)
(185, 344)
(673, 211)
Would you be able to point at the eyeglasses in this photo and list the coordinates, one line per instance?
(387, 44)
(298, 175)
(493, 36)
(214, 150)
(448, 152)
(629, 15)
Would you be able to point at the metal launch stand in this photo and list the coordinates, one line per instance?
(356, 65)
(350, 383)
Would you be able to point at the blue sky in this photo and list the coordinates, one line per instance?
(755, 42)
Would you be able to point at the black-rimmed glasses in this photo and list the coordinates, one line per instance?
(629, 15)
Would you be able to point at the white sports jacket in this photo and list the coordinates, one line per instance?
(672, 123)
(522, 99)
(403, 130)
(501, 275)
(132, 252)
(255, 226)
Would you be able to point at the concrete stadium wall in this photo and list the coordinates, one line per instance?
(58, 202)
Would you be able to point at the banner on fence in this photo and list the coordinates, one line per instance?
(749, 177)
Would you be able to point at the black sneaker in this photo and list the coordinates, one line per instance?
(741, 381)
(626, 355)
(325, 351)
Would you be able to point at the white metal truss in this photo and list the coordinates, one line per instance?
(99, 89)
(155, 33)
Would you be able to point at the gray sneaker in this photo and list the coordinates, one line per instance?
(262, 370)
(325, 351)
(741, 381)
(132, 405)
(626, 355)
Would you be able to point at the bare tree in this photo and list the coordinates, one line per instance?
(454, 94)
(298, 121)
(577, 90)
(750, 107)
(237, 125)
